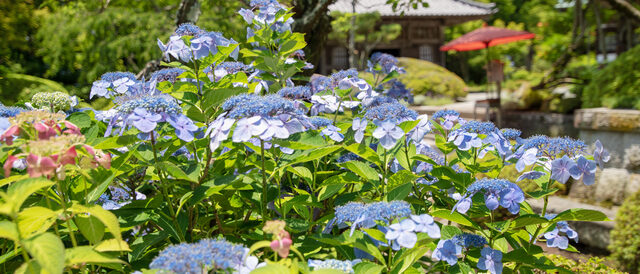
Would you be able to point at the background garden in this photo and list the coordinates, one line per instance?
(198, 136)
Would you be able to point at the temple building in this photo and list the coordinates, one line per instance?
(422, 28)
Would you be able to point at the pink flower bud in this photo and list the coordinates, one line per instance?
(283, 245)
(38, 166)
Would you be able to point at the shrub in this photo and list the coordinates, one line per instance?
(426, 78)
(625, 243)
(616, 86)
(592, 265)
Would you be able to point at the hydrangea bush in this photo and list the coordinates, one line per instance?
(225, 161)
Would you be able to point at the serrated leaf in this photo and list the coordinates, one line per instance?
(448, 231)
(454, 217)
(112, 245)
(107, 218)
(529, 219)
(361, 169)
(90, 227)
(579, 214)
(48, 250)
(368, 267)
(328, 191)
(8, 230)
(117, 142)
(399, 193)
(20, 191)
(365, 152)
(29, 267)
(86, 255)
(174, 171)
(35, 219)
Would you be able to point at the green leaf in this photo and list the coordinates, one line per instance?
(35, 219)
(8, 230)
(529, 219)
(541, 193)
(448, 231)
(402, 177)
(271, 269)
(20, 191)
(13, 178)
(365, 152)
(368, 267)
(86, 255)
(107, 218)
(370, 248)
(174, 171)
(141, 244)
(29, 267)
(579, 214)
(454, 217)
(361, 169)
(325, 271)
(315, 154)
(117, 142)
(47, 249)
(215, 97)
(408, 258)
(328, 191)
(376, 234)
(90, 227)
(399, 193)
(112, 245)
(302, 172)
(80, 119)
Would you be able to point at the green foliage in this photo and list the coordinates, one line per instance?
(592, 265)
(426, 78)
(616, 86)
(625, 243)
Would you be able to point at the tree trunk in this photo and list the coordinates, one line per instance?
(352, 37)
(312, 19)
(188, 12)
(600, 31)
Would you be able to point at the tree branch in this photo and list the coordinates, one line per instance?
(625, 7)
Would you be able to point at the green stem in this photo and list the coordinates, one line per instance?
(64, 210)
(264, 184)
(384, 177)
(163, 187)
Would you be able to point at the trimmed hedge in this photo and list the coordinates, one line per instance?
(625, 243)
(426, 78)
(617, 85)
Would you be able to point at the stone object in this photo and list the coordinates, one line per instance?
(611, 185)
(632, 158)
(633, 185)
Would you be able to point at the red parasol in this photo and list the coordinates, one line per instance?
(486, 37)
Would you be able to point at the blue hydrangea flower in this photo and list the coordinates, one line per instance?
(378, 100)
(447, 118)
(554, 147)
(386, 62)
(216, 72)
(113, 84)
(531, 175)
(296, 93)
(201, 257)
(167, 74)
(526, 158)
(447, 251)
(426, 224)
(465, 140)
(600, 154)
(7, 112)
(184, 127)
(563, 168)
(422, 128)
(143, 120)
(202, 44)
(398, 90)
(365, 215)
(394, 112)
(586, 169)
(350, 156)
(359, 126)
(511, 133)
(468, 240)
(388, 134)
(344, 266)
(560, 235)
(320, 83)
(491, 260)
(497, 192)
(478, 127)
(402, 234)
(117, 197)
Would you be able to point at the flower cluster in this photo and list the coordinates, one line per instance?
(266, 16)
(48, 143)
(384, 63)
(559, 236)
(201, 257)
(497, 192)
(449, 250)
(201, 44)
(118, 197)
(113, 84)
(365, 215)
(403, 234)
(328, 129)
(447, 118)
(54, 101)
(167, 75)
(216, 72)
(399, 91)
(6, 112)
(264, 117)
(344, 266)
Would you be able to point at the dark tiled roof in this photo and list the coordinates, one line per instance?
(435, 8)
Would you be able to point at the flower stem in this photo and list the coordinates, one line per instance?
(264, 184)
